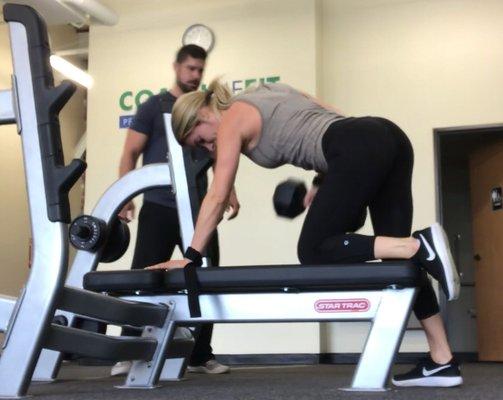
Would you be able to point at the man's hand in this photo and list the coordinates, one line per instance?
(171, 264)
(309, 197)
(127, 212)
(233, 206)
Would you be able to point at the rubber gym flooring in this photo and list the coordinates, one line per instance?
(482, 381)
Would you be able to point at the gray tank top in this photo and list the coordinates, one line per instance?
(292, 127)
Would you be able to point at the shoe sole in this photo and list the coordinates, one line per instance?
(435, 381)
(443, 250)
(203, 370)
(120, 372)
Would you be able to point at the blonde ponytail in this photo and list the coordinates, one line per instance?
(184, 115)
(219, 95)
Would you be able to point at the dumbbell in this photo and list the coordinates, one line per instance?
(91, 234)
(288, 198)
(87, 233)
(117, 241)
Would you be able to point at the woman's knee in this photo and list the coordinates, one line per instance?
(347, 247)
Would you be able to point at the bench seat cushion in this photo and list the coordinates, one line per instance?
(354, 276)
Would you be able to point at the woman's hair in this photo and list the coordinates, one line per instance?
(184, 115)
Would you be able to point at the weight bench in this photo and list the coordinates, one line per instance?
(379, 292)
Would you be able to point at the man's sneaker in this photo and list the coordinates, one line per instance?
(209, 367)
(429, 373)
(434, 255)
(183, 333)
(121, 368)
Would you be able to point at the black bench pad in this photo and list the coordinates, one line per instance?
(358, 276)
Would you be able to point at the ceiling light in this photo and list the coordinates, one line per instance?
(71, 71)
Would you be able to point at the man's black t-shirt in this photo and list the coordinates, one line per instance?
(149, 121)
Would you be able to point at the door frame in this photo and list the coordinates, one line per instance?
(438, 135)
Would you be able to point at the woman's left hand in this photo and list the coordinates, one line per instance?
(171, 264)
(309, 197)
(233, 205)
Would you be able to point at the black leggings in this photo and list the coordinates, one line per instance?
(370, 164)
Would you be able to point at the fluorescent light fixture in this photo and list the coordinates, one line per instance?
(93, 9)
(71, 71)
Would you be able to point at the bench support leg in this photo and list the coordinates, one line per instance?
(145, 374)
(383, 340)
(173, 370)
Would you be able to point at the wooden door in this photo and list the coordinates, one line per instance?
(486, 185)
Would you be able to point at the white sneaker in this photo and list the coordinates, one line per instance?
(209, 367)
(183, 333)
(121, 368)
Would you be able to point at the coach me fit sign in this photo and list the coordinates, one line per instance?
(129, 100)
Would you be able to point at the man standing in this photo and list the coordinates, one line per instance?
(158, 225)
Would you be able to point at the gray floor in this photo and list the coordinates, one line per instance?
(482, 381)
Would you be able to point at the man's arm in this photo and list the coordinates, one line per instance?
(136, 140)
(133, 147)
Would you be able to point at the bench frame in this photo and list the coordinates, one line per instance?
(388, 311)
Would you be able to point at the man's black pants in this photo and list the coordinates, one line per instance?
(158, 235)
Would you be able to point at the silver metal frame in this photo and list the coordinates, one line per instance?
(125, 188)
(387, 309)
(7, 304)
(179, 184)
(35, 308)
(136, 181)
(145, 374)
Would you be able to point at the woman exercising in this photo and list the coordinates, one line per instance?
(361, 163)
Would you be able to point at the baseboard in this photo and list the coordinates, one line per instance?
(467, 356)
(323, 358)
(268, 359)
(401, 358)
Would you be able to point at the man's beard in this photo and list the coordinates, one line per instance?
(186, 88)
